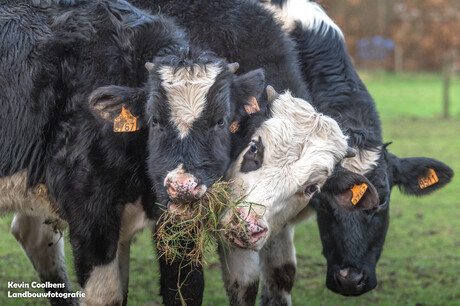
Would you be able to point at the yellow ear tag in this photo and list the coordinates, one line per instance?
(427, 179)
(234, 127)
(358, 192)
(253, 106)
(126, 122)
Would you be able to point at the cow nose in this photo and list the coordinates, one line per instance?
(183, 189)
(350, 281)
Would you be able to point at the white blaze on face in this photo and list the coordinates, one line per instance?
(309, 14)
(186, 90)
(301, 148)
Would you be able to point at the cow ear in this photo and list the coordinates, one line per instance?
(418, 175)
(351, 191)
(246, 92)
(110, 102)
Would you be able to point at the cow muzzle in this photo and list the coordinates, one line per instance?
(183, 187)
(245, 230)
(351, 281)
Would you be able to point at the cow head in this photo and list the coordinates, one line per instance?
(353, 242)
(290, 155)
(186, 106)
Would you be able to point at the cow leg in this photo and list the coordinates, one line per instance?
(134, 219)
(181, 282)
(240, 272)
(44, 246)
(278, 265)
(94, 238)
(124, 249)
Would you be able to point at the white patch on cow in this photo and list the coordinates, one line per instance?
(241, 267)
(103, 286)
(310, 15)
(186, 90)
(363, 162)
(301, 149)
(14, 197)
(134, 219)
(278, 253)
(44, 246)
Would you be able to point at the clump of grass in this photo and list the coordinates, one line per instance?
(189, 232)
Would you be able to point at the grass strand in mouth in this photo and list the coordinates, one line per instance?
(190, 232)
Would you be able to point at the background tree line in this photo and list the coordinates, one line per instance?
(423, 32)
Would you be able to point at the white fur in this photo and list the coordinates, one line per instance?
(240, 269)
(310, 15)
(134, 219)
(301, 149)
(186, 90)
(14, 197)
(103, 286)
(44, 246)
(363, 162)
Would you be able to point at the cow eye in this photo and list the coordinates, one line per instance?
(312, 189)
(253, 147)
(154, 121)
(221, 122)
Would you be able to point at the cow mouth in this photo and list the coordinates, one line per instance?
(244, 240)
(244, 232)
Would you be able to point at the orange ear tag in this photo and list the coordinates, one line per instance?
(253, 106)
(126, 122)
(358, 192)
(234, 127)
(427, 179)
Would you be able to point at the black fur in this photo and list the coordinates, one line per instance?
(284, 277)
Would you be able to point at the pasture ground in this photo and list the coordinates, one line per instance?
(420, 264)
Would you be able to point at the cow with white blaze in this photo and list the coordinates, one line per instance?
(90, 129)
(352, 243)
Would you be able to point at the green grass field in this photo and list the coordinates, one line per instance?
(420, 264)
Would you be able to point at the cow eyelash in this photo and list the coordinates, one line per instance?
(312, 190)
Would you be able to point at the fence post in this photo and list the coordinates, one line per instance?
(446, 83)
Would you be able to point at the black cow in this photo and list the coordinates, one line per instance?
(352, 243)
(87, 131)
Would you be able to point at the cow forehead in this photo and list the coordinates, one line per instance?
(296, 130)
(186, 89)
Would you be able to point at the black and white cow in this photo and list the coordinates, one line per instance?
(88, 131)
(352, 243)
